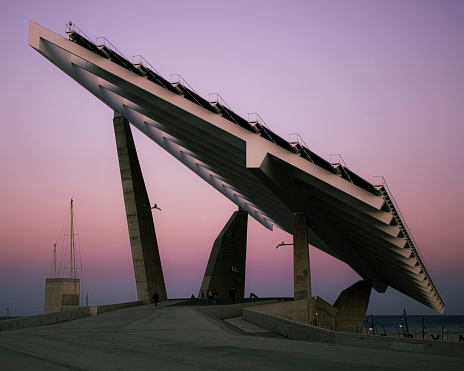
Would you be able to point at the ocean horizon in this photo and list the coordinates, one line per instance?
(432, 324)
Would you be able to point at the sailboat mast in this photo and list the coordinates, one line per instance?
(71, 243)
(54, 260)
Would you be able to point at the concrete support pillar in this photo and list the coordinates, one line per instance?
(145, 255)
(301, 270)
(226, 264)
(352, 307)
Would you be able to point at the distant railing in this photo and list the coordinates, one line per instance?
(379, 181)
(178, 79)
(254, 117)
(103, 41)
(340, 162)
(138, 59)
(216, 98)
(71, 27)
(300, 141)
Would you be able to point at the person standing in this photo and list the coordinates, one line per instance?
(210, 296)
(232, 293)
(214, 295)
(156, 298)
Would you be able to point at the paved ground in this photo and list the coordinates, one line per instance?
(179, 337)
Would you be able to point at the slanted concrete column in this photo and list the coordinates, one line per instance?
(301, 271)
(144, 247)
(226, 264)
(352, 307)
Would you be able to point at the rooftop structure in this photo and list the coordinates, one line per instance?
(271, 178)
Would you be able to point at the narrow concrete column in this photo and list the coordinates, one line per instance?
(226, 264)
(145, 255)
(301, 271)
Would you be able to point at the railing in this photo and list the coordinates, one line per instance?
(340, 162)
(71, 27)
(216, 98)
(300, 141)
(254, 117)
(138, 59)
(178, 79)
(379, 181)
(105, 42)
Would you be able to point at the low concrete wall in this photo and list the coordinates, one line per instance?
(64, 316)
(296, 310)
(44, 319)
(300, 331)
(231, 310)
(110, 307)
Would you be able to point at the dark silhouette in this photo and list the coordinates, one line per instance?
(232, 294)
(202, 295)
(156, 298)
(214, 295)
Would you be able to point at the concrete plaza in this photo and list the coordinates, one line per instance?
(169, 336)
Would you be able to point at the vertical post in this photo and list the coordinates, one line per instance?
(301, 270)
(406, 322)
(71, 243)
(54, 260)
(423, 328)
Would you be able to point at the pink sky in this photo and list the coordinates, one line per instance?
(381, 83)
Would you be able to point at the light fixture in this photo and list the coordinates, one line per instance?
(283, 244)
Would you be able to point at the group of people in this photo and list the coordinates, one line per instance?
(212, 296)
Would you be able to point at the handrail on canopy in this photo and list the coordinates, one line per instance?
(71, 27)
(255, 117)
(379, 182)
(175, 78)
(340, 162)
(138, 59)
(216, 98)
(103, 41)
(300, 141)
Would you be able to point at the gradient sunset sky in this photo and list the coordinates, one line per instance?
(379, 82)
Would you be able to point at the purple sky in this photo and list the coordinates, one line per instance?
(380, 82)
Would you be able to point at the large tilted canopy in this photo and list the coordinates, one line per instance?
(271, 178)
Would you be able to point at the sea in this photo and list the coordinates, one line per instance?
(5, 318)
(433, 324)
